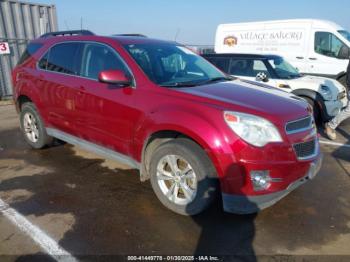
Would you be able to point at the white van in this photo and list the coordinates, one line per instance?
(314, 47)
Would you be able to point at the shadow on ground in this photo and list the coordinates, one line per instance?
(116, 214)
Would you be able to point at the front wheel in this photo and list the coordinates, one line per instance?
(183, 177)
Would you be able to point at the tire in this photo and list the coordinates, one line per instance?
(315, 108)
(201, 181)
(32, 127)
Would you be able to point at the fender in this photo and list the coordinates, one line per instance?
(340, 75)
(317, 98)
(202, 131)
(28, 89)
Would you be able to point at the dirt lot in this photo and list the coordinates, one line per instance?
(92, 206)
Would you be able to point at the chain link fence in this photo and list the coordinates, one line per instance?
(21, 22)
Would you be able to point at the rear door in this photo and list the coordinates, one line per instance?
(57, 79)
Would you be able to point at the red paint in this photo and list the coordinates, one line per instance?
(114, 77)
(124, 118)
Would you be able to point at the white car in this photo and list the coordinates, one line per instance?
(327, 96)
(315, 47)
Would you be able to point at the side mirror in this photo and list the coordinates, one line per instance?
(344, 52)
(114, 77)
(261, 77)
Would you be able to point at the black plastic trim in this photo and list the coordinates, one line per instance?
(70, 32)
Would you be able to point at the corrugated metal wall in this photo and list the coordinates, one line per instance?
(21, 22)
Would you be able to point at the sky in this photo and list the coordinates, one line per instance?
(188, 21)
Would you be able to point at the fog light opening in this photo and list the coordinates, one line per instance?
(261, 179)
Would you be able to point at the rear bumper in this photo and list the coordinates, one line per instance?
(246, 204)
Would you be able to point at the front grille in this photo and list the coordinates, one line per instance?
(305, 149)
(299, 125)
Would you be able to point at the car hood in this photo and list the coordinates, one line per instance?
(249, 97)
(315, 82)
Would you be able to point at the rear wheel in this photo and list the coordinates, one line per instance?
(32, 127)
(183, 177)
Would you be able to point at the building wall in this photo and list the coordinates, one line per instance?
(21, 22)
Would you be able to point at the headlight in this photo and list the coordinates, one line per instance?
(253, 129)
(326, 92)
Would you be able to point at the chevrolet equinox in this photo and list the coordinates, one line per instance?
(157, 106)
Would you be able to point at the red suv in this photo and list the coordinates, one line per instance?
(166, 111)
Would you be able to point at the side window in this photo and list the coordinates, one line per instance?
(247, 67)
(241, 67)
(63, 58)
(30, 50)
(97, 58)
(223, 63)
(329, 45)
(259, 66)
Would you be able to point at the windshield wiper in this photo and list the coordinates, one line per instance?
(293, 76)
(216, 79)
(181, 84)
(197, 83)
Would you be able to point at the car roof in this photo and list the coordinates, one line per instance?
(125, 39)
(121, 39)
(261, 56)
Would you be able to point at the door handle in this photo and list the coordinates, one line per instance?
(312, 58)
(81, 90)
(299, 57)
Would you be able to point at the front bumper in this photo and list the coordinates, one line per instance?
(245, 204)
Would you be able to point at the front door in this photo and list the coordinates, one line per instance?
(325, 55)
(106, 113)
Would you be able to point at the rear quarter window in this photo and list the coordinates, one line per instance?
(31, 49)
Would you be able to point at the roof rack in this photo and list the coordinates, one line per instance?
(138, 35)
(70, 32)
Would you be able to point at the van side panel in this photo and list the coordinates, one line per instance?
(282, 38)
(292, 39)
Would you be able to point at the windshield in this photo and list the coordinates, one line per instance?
(283, 69)
(173, 65)
(345, 34)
